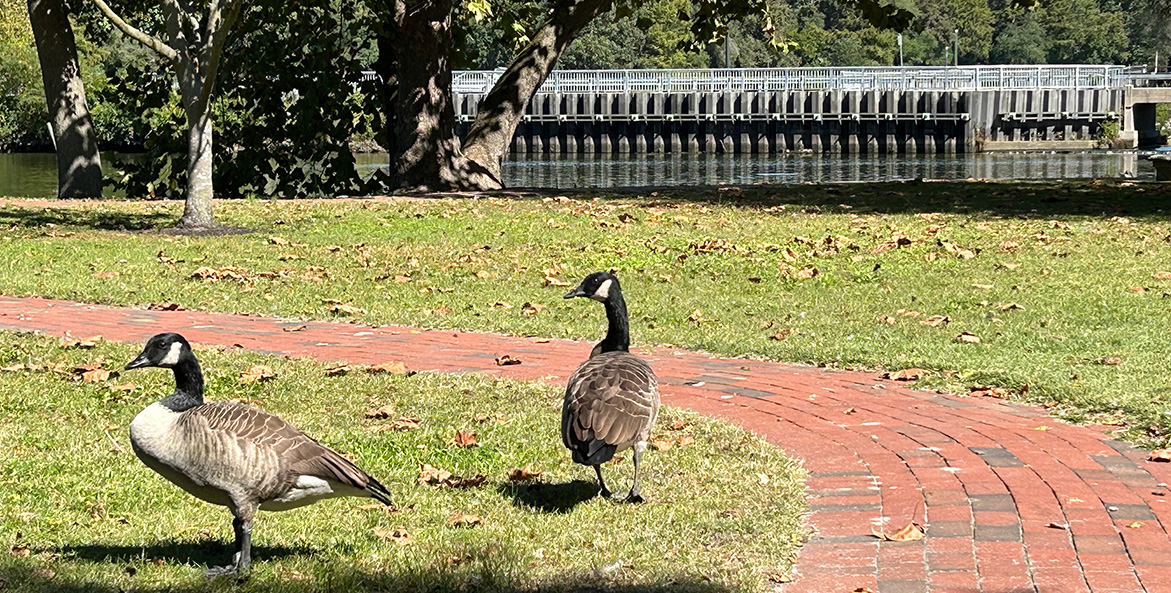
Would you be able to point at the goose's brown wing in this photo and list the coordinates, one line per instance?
(297, 453)
(610, 402)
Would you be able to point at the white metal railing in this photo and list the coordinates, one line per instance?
(928, 78)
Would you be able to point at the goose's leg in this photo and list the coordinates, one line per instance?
(604, 491)
(635, 495)
(242, 559)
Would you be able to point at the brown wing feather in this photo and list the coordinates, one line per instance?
(298, 453)
(611, 400)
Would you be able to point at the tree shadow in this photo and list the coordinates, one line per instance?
(491, 569)
(550, 498)
(208, 553)
(30, 218)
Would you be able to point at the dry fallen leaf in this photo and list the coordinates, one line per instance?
(910, 533)
(462, 482)
(696, 316)
(887, 319)
(908, 313)
(983, 286)
(1012, 307)
(464, 520)
(1042, 428)
(344, 309)
(662, 444)
(911, 374)
(278, 241)
(1110, 360)
(1161, 275)
(679, 424)
(807, 272)
(968, 338)
(429, 474)
(127, 387)
(684, 440)
(338, 370)
(105, 275)
(935, 320)
(849, 411)
(381, 412)
(296, 328)
(1134, 524)
(529, 309)
(524, 474)
(1009, 245)
(506, 360)
(397, 535)
(95, 376)
(998, 392)
(68, 342)
(1138, 289)
(464, 439)
(165, 306)
(781, 576)
(498, 417)
(257, 374)
(1163, 455)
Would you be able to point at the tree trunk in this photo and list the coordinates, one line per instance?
(425, 151)
(79, 166)
(197, 209)
(500, 112)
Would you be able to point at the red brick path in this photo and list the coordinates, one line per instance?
(1008, 506)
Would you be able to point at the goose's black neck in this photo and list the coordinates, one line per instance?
(188, 386)
(618, 335)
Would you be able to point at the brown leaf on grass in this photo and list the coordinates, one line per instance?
(105, 275)
(394, 367)
(1161, 275)
(887, 319)
(1009, 246)
(464, 520)
(381, 412)
(957, 250)
(553, 281)
(20, 551)
(684, 440)
(1110, 360)
(524, 474)
(123, 387)
(968, 338)
(497, 418)
(224, 273)
(781, 576)
(401, 278)
(96, 376)
(397, 535)
(989, 391)
(500, 305)
(90, 342)
(696, 316)
(257, 374)
(165, 306)
(464, 439)
(911, 374)
(506, 360)
(344, 309)
(16, 368)
(983, 286)
(1161, 455)
(807, 273)
(162, 258)
(337, 371)
(529, 309)
(296, 328)
(662, 444)
(403, 423)
(1012, 307)
(1009, 265)
(679, 424)
(935, 320)
(908, 313)
(441, 311)
(485, 274)
(278, 241)
(429, 474)
(462, 482)
(784, 333)
(910, 533)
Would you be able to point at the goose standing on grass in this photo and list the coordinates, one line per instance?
(234, 455)
(613, 398)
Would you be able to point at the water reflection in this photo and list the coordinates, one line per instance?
(35, 175)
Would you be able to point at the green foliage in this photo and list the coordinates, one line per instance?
(22, 96)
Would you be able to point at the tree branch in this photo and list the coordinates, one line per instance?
(150, 41)
(218, 27)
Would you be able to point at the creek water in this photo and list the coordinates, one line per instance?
(35, 174)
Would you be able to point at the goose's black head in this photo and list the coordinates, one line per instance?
(163, 350)
(598, 286)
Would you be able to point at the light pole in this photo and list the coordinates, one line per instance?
(900, 50)
(956, 42)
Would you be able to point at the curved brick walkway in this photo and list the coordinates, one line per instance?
(1008, 507)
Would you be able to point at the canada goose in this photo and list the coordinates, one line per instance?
(613, 398)
(234, 455)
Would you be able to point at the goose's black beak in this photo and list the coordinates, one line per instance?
(577, 292)
(138, 363)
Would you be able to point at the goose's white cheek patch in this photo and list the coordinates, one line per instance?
(603, 291)
(172, 357)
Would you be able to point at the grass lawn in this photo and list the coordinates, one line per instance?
(79, 512)
(1063, 284)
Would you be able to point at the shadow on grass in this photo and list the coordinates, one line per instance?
(209, 553)
(550, 498)
(84, 218)
(1024, 199)
(491, 569)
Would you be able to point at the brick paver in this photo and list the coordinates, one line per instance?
(1012, 500)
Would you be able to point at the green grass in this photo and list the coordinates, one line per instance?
(1079, 249)
(78, 511)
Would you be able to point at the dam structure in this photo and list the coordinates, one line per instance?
(846, 110)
